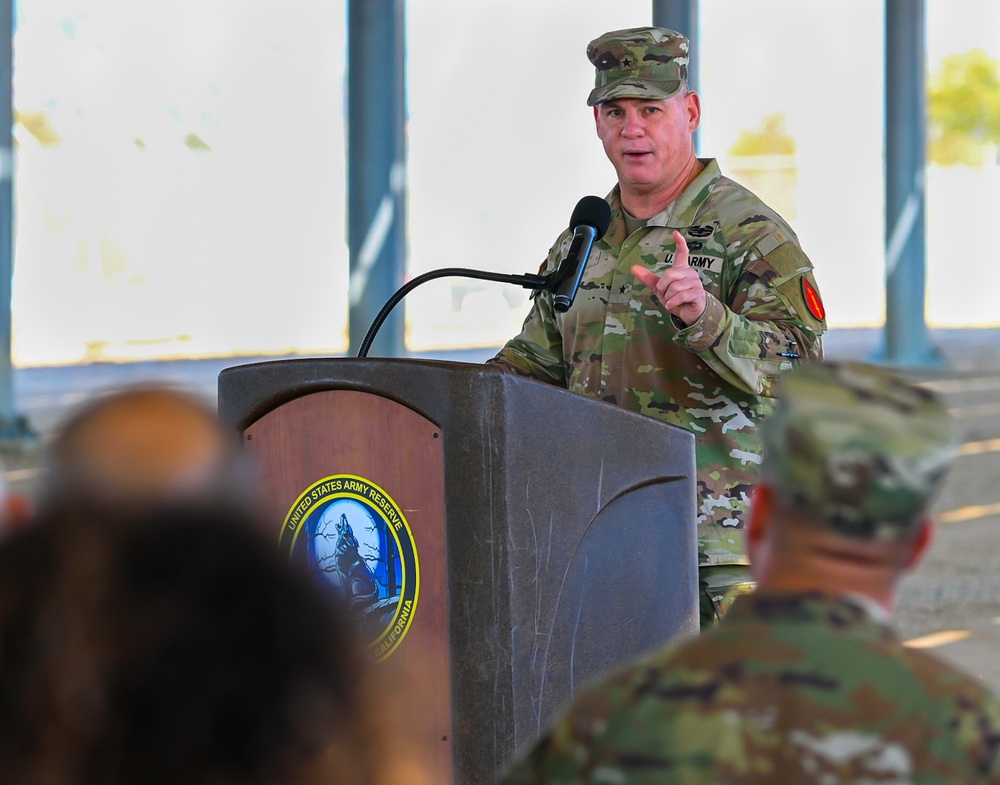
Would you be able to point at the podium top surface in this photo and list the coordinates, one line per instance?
(437, 389)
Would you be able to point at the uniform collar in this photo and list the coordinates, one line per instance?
(679, 213)
(845, 612)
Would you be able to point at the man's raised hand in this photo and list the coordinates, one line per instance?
(679, 288)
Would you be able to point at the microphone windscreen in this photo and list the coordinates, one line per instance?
(592, 211)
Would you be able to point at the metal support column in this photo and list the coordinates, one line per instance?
(682, 16)
(12, 425)
(907, 342)
(376, 168)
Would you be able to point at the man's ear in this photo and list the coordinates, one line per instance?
(15, 513)
(597, 120)
(692, 103)
(761, 505)
(756, 531)
(923, 540)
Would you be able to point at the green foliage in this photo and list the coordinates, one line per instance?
(963, 105)
(196, 143)
(769, 138)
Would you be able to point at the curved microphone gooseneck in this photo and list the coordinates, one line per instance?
(589, 222)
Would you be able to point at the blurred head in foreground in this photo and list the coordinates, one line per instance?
(148, 443)
(854, 456)
(174, 647)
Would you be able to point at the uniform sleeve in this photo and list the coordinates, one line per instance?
(544, 764)
(537, 351)
(773, 320)
(565, 755)
(617, 730)
(975, 721)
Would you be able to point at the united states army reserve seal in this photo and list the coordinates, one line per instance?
(352, 535)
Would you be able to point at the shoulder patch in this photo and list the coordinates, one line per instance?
(788, 271)
(813, 301)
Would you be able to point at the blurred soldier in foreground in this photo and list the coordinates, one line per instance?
(804, 681)
(144, 444)
(174, 647)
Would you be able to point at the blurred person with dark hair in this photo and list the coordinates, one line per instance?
(146, 443)
(804, 680)
(173, 647)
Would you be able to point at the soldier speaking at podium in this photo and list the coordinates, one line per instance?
(692, 304)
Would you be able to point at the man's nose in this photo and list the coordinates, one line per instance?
(633, 126)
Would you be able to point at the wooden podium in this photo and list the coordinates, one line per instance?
(503, 540)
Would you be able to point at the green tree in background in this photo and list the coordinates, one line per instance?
(769, 138)
(964, 109)
(763, 159)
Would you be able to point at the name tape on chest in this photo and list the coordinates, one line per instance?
(711, 264)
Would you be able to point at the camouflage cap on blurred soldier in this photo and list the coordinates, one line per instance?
(642, 62)
(858, 448)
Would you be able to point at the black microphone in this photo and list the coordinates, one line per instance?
(590, 220)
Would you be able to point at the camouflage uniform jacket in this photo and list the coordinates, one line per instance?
(714, 377)
(787, 689)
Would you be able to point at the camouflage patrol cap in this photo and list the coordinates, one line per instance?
(643, 62)
(858, 448)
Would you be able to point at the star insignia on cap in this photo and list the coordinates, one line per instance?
(627, 62)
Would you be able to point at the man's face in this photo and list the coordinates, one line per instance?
(648, 142)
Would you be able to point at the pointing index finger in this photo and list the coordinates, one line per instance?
(681, 254)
